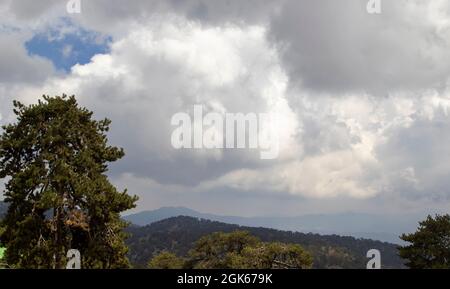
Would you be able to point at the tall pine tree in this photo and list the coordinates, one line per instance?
(55, 160)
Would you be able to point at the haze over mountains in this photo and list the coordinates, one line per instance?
(378, 227)
(169, 228)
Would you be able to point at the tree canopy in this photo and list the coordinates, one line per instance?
(236, 250)
(56, 158)
(166, 260)
(430, 245)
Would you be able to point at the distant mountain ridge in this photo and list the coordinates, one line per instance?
(349, 224)
(178, 234)
(377, 227)
(147, 217)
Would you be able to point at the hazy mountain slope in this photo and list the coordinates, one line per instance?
(377, 227)
(177, 234)
(147, 217)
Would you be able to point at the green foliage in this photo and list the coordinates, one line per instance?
(2, 262)
(166, 260)
(216, 251)
(177, 235)
(235, 250)
(273, 256)
(58, 193)
(430, 244)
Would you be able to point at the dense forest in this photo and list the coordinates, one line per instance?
(3, 208)
(178, 234)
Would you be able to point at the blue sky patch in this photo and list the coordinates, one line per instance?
(68, 45)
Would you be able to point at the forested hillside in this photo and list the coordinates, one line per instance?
(179, 233)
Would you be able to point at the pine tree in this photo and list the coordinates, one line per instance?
(238, 250)
(166, 260)
(55, 157)
(429, 246)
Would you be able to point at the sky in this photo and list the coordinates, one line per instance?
(364, 98)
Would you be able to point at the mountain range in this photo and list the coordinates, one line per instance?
(178, 234)
(172, 230)
(377, 227)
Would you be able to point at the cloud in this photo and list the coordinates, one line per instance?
(337, 47)
(166, 67)
(18, 70)
(16, 66)
(110, 14)
(416, 153)
(26, 9)
(363, 98)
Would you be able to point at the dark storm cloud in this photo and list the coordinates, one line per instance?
(337, 47)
